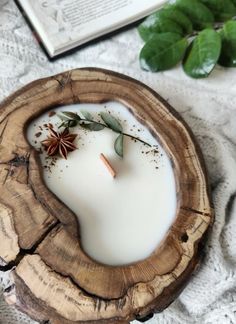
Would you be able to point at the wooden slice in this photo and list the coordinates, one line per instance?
(54, 279)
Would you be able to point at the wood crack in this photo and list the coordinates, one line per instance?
(3, 130)
(31, 251)
(20, 160)
(64, 80)
(195, 211)
(88, 294)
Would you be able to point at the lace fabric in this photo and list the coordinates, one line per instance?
(208, 106)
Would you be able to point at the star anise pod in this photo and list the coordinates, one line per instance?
(61, 143)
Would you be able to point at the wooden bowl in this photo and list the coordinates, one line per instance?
(53, 278)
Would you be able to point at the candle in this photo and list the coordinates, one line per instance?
(122, 218)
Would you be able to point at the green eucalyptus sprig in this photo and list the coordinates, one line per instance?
(87, 121)
(200, 33)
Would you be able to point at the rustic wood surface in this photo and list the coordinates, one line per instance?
(53, 278)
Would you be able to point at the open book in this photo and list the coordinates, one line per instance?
(63, 25)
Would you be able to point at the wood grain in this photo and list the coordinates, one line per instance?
(54, 279)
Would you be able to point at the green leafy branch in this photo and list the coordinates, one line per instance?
(71, 119)
(200, 33)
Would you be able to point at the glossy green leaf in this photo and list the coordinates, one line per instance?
(111, 122)
(155, 24)
(196, 11)
(203, 54)
(172, 13)
(162, 52)
(92, 126)
(87, 115)
(119, 145)
(228, 52)
(222, 10)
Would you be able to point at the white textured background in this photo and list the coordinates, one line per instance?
(209, 107)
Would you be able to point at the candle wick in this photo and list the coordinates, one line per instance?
(108, 165)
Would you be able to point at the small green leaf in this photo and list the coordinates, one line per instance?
(92, 126)
(222, 10)
(197, 12)
(71, 115)
(228, 52)
(202, 54)
(119, 145)
(87, 115)
(62, 117)
(156, 24)
(72, 123)
(111, 122)
(162, 52)
(172, 13)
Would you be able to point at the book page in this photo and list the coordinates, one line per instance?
(61, 23)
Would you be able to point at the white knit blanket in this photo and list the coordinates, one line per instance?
(208, 106)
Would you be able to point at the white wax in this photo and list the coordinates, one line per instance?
(124, 219)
